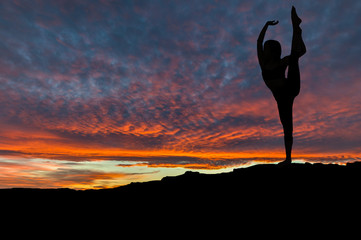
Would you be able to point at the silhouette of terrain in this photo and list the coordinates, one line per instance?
(264, 183)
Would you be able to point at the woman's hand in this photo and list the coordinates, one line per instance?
(272, 23)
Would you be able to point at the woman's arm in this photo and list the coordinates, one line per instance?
(260, 42)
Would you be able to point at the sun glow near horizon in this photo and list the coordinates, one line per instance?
(98, 173)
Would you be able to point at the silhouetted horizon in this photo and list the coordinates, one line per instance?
(264, 181)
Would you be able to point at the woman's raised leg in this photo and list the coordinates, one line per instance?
(298, 46)
(298, 49)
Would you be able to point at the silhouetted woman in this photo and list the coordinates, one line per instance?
(273, 68)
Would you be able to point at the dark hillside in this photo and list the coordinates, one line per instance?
(265, 183)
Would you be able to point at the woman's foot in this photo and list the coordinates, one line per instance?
(296, 21)
(285, 162)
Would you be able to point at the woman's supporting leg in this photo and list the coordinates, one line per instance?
(285, 102)
(285, 105)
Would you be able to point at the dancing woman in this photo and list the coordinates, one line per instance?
(273, 68)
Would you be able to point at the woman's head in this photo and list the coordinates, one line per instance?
(272, 50)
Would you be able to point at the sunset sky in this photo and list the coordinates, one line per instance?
(101, 93)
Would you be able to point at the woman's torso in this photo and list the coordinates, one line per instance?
(274, 77)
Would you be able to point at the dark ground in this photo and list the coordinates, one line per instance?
(261, 200)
